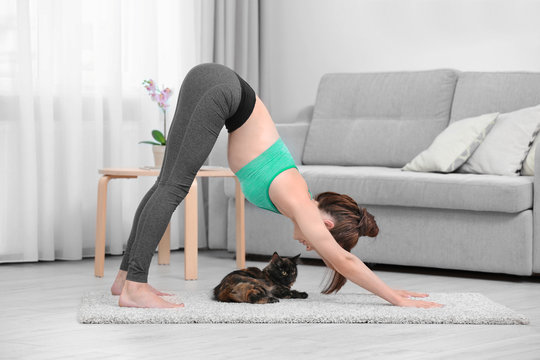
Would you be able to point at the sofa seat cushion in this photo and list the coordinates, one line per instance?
(391, 186)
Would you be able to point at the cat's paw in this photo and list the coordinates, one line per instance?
(298, 294)
(273, 300)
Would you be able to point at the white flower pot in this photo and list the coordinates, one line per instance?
(159, 152)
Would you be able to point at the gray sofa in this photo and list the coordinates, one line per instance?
(366, 126)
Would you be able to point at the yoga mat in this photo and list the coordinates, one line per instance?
(100, 307)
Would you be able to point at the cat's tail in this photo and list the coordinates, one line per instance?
(216, 292)
(225, 293)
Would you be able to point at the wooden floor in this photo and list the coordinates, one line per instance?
(39, 301)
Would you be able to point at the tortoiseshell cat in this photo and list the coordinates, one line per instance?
(256, 286)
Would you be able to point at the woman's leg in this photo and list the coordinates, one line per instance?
(125, 259)
(118, 284)
(210, 94)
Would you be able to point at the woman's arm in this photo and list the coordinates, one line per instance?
(403, 293)
(319, 238)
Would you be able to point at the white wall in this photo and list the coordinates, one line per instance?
(303, 39)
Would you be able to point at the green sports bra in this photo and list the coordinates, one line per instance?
(256, 176)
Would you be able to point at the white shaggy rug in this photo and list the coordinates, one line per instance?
(460, 308)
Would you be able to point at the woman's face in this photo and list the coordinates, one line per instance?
(299, 236)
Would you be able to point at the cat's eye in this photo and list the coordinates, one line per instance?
(283, 273)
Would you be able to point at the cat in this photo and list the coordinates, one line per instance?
(256, 286)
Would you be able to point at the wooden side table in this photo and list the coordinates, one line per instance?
(190, 217)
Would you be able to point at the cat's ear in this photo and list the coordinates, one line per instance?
(295, 259)
(275, 257)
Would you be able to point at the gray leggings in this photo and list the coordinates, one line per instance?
(211, 96)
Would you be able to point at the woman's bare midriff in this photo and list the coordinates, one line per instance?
(251, 139)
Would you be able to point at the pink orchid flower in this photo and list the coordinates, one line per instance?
(157, 95)
(162, 99)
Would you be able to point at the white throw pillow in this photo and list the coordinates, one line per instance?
(504, 149)
(528, 164)
(454, 145)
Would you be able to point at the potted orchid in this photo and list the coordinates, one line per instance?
(162, 99)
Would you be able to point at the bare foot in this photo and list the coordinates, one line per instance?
(136, 294)
(118, 285)
(157, 292)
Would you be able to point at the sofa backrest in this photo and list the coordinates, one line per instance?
(480, 93)
(378, 119)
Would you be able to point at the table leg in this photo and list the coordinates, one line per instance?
(240, 228)
(101, 219)
(164, 247)
(190, 233)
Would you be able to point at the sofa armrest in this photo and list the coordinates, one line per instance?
(536, 176)
(218, 155)
(216, 200)
(294, 136)
(536, 212)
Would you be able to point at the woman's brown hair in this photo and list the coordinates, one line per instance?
(350, 222)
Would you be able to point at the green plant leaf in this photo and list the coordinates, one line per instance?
(158, 135)
(149, 142)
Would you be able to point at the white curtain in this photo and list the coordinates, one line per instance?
(71, 102)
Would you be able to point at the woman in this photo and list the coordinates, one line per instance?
(213, 96)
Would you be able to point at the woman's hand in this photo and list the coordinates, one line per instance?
(417, 303)
(408, 302)
(408, 294)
